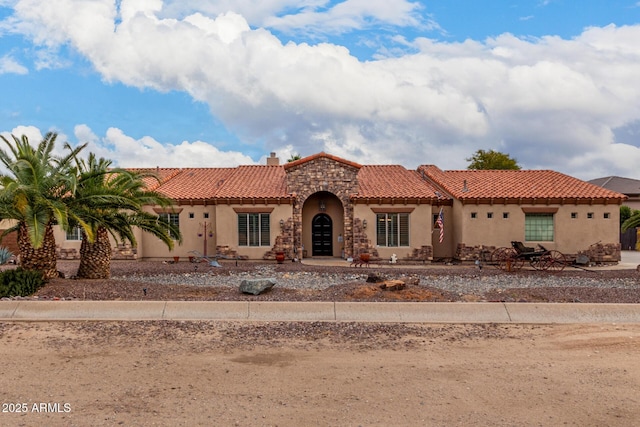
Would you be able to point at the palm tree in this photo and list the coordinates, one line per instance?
(632, 221)
(109, 201)
(32, 192)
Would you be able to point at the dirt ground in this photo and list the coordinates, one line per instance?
(306, 374)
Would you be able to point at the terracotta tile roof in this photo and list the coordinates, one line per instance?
(163, 174)
(318, 156)
(195, 183)
(515, 184)
(255, 181)
(392, 182)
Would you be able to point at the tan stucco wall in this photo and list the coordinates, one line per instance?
(446, 249)
(570, 235)
(420, 227)
(227, 228)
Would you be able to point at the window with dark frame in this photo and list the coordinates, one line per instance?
(392, 229)
(254, 229)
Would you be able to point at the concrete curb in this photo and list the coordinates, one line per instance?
(394, 312)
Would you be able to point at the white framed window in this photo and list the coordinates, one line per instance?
(170, 218)
(254, 229)
(392, 229)
(74, 234)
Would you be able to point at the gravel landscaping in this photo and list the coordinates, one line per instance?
(300, 282)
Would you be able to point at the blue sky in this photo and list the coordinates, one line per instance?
(554, 83)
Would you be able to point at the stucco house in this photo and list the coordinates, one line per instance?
(631, 188)
(628, 186)
(326, 206)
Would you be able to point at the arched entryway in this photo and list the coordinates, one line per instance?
(322, 235)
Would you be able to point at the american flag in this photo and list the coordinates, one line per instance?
(440, 224)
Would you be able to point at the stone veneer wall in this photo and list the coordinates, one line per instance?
(283, 243)
(423, 253)
(603, 253)
(323, 174)
(472, 253)
(119, 252)
(361, 243)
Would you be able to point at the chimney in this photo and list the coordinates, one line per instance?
(465, 189)
(272, 160)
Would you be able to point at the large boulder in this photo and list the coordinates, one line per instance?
(256, 286)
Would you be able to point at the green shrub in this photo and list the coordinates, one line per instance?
(19, 282)
(5, 254)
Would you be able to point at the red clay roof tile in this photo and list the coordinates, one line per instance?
(195, 183)
(514, 184)
(255, 181)
(392, 181)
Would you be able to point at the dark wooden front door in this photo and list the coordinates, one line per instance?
(322, 229)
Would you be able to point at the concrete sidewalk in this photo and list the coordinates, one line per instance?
(395, 312)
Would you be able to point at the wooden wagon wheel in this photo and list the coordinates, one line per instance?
(554, 261)
(507, 259)
(538, 262)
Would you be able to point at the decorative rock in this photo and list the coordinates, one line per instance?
(374, 278)
(256, 286)
(392, 285)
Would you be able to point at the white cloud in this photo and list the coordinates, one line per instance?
(126, 151)
(8, 65)
(33, 134)
(309, 16)
(546, 101)
(347, 16)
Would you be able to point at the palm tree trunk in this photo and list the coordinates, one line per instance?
(95, 258)
(43, 258)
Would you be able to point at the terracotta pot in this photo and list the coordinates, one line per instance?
(176, 258)
(280, 257)
(365, 257)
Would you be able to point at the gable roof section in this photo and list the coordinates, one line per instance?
(320, 155)
(255, 182)
(527, 186)
(628, 186)
(195, 183)
(162, 175)
(392, 182)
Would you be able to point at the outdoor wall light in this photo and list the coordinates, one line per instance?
(364, 223)
(323, 207)
(282, 223)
